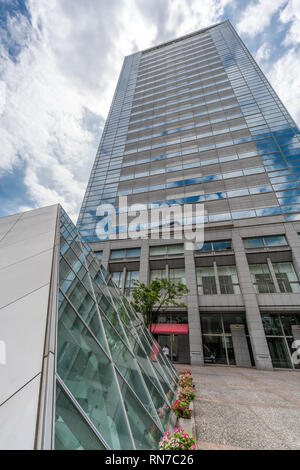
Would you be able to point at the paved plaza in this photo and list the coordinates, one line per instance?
(237, 408)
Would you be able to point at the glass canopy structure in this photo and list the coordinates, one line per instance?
(101, 380)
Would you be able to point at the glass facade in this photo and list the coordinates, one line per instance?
(278, 330)
(114, 386)
(195, 120)
(217, 337)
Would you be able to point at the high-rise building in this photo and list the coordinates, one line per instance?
(192, 121)
(78, 368)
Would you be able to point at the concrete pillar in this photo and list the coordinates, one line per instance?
(105, 255)
(258, 340)
(294, 242)
(183, 349)
(195, 335)
(144, 262)
(123, 279)
(240, 346)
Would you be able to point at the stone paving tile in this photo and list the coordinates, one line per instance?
(238, 408)
(234, 426)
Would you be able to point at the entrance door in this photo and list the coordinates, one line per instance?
(178, 346)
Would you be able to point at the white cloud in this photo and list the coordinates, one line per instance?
(263, 53)
(257, 16)
(291, 14)
(69, 58)
(287, 85)
(185, 17)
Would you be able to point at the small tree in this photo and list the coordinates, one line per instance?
(151, 300)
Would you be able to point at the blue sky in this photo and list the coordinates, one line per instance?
(59, 64)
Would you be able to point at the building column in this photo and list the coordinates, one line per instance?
(258, 340)
(294, 242)
(195, 334)
(240, 346)
(144, 262)
(105, 255)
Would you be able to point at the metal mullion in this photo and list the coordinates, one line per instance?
(164, 398)
(136, 396)
(112, 363)
(161, 375)
(154, 371)
(121, 324)
(121, 339)
(136, 363)
(285, 340)
(88, 328)
(75, 274)
(81, 411)
(148, 393)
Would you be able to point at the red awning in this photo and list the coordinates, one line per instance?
(170, 328)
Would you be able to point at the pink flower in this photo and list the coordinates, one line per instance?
(193, 447)
(182, 446)
(175, 429)
(186, 436)
(164, 438)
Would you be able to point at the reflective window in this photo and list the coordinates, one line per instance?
(279, 333)
(177, 275)
(216, 246)
(131, 276)
(206, 280)
(217, 337)
(228, 280)
(262, 279)
(127, 253)
(157, 274)
(88, 374)
(71, 430)
(117, 277)
(99, 254)
(268, 241)
(166, 250)
(286, 277)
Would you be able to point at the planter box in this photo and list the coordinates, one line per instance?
(187, 424)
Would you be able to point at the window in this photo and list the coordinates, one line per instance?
(286, 277)
(157, 274)
(99, 254)
(228, 280)
(261, 242)
(217, 337)
(167, 317)
(166, 250)
(279, 334)
(206, 280)
(127, 253)
(117, 277)
(262, 279)
(177, 275)
(216, 246)
(227, 277)
(130, 277)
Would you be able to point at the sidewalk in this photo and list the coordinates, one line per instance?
(237, 408)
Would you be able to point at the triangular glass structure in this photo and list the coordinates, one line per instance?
(113, 382)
